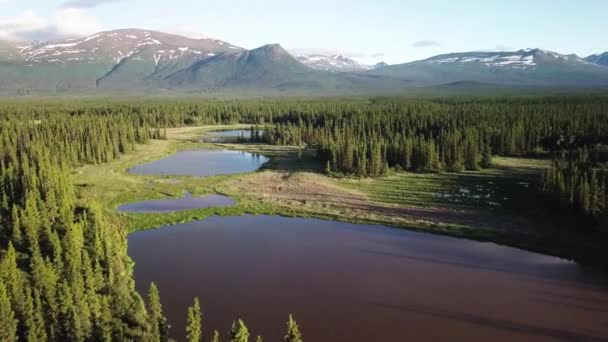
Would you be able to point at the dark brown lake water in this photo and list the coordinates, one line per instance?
(346, 282)
(206, 162)
(188, 202)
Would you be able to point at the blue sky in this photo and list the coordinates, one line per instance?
(389, 30)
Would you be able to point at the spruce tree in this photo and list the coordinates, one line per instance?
(239, 332)
(159, 329)
(216, 336)
(13, 279)
(486, 156)
(471, 160)
(293, 331)
(194, 328)
(8, 323)
(34, 323)
(328, 168)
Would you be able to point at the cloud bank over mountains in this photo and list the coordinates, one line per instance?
(66, 23)
(69, 20)
(85, 3)
(426, 43)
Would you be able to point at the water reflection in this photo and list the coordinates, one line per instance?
(207, 162)
(228, 136)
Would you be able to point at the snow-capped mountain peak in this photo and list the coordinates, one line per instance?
(334, 62)
(111, 47)
(601, 59)
(525, 59)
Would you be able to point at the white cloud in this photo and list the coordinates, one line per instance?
(502, 47)
(84, 3)
(190, 31)
(17, 27)
(426, 43)
(73, 22)
(28, 25)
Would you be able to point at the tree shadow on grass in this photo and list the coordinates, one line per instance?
(292, 161)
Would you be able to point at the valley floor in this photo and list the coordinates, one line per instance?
(500, 204)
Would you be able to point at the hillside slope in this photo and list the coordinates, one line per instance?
(524, 67)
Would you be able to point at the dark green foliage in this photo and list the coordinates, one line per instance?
(65, 271)
(8, 323)
(159, 329)
(579, 180)
(486, 156)
(430, 136)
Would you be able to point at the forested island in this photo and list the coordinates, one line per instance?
(65, 274)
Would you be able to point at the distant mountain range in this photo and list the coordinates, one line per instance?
(336, 62)
(139, 60)
(531, 67)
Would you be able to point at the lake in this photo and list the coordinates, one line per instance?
(206, 162)
(188, 202)
(348, 282)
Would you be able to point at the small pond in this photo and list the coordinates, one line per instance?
(206, 162)
(228, 136)
(188, 202)
(346, 282)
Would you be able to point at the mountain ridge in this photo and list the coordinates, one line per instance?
(331, 62)
(601, 59)
(264, 64)
(148, 60)
(522, 67)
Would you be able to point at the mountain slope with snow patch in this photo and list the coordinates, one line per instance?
(601, 59)
(534, 67)
(337, 63)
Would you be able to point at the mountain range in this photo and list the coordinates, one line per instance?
(530, 67)
(332, 62)
(135, 60)
(601, 59)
